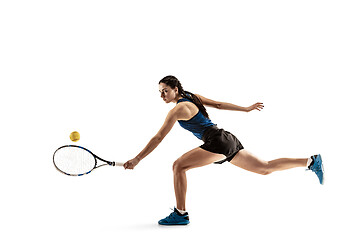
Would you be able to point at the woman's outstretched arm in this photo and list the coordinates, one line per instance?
(156, 140)
(229, 106)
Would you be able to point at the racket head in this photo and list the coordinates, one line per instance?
(74, 160)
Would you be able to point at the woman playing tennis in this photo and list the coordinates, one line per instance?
(219, 145)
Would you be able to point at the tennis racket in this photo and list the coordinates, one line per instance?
(74, 160)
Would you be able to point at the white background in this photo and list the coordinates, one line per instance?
(94, 67)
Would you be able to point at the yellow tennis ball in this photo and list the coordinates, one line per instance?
(75, 136)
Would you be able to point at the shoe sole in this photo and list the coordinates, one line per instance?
(323, 170)
(173, 224)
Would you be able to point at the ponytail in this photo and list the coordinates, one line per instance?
(197, 101)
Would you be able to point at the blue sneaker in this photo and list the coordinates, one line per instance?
(175, 218)
(317, 167)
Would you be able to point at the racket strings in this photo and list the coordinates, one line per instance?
(73, 160)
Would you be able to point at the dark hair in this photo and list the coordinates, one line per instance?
(173, 82)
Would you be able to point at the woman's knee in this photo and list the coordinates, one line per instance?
(249, 162)
(266, 169)
(266, 172)
(178, 166)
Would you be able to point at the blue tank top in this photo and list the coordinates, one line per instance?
(197, 124)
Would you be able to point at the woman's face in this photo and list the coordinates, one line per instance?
(167, 93)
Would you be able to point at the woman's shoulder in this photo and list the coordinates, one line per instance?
(185, 110)
(181, 106)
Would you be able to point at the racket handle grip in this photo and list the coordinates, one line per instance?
(119, 164)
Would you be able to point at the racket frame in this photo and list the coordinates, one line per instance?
(95, 158)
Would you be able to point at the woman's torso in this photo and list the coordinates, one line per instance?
(192, 119)
(188, 110)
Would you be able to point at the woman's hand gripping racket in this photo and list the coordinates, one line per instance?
(74, 160)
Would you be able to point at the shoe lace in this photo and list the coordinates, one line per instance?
(172, 215)
(315, 168)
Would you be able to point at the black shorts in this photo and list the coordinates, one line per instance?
(220, 141)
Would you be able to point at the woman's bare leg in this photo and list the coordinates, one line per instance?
(197, 157)
(248, 161)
